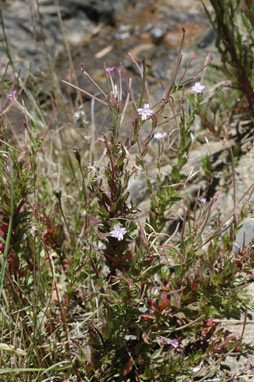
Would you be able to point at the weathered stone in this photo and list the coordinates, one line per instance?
(243, 188)
(34, 32)
(245, 235)
(99, 10)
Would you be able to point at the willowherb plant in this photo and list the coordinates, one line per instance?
(160, 294)
(104, 294)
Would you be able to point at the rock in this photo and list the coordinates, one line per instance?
(157, 34)
(245, 235)
(100, 10)
(138, 186)
(30, 31)
(207, 38)
(244, 187)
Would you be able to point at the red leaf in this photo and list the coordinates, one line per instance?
(128, 367)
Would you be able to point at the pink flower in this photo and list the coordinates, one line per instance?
(198, 88)
(110, 69)
(145, 112)
(11, 95)
(203, 200)
(160, 135)
(118, 232)
(175, 343)
(100, 139)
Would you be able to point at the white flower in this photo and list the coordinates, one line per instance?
(118, 232)
(145, 111)
(198, 88)
(78, 114)
(160, 135)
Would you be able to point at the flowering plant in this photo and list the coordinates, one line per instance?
(97, 286)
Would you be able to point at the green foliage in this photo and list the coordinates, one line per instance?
(91, 289)
(235, 41)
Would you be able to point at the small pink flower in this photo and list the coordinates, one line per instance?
(100, 139)
(145, 111)
(198, 88)
(11, 95)
(118, 232)
(175, 343)
(110, 69)
(203, 200)
(160, 135)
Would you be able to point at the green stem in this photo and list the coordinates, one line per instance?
(143, 83)
(34, 369)
(5, 39)
(8, 239)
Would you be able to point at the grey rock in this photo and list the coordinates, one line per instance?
(29, 28)
(100, 10)
(157, 34)
(209, 37)
(138, 186)
(245, 235)
(244, 187)
(181, 17)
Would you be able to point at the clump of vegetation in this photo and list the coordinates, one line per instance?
(93, 290)
(234, 21)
